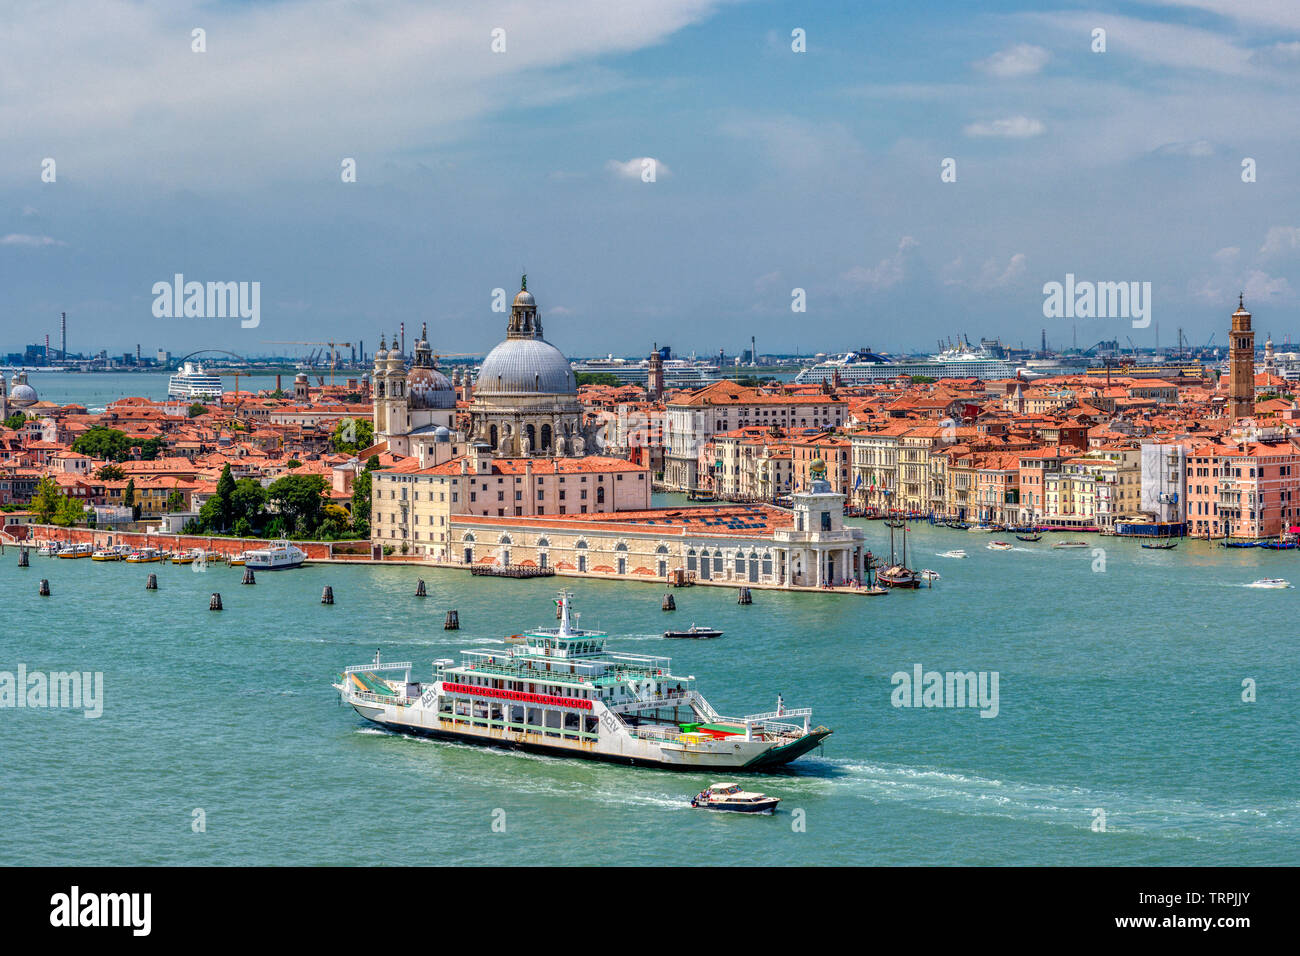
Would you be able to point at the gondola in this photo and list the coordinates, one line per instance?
(1167, 546)
(1029, 537)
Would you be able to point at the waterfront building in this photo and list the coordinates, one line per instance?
(412, 505)
(1241, 364)
(695, 417)
(805, 547)
(1094, 489)
(831, 454)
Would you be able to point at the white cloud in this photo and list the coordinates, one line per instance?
(1013, 127)
(888, 272)
(1260, 285)
(1023, 59)
(1196, 148)
(994, 275)
(20, 239)
(294, 86)
(637, 167)
(1280, 239)
(1227, 254)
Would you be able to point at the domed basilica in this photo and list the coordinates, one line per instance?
(525, 400)
(526, 397)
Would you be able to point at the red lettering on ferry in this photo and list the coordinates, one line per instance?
(575, 702)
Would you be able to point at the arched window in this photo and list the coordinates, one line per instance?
(469, 537)
(690, 560)
(600, 495)
(532, 437)
(492, 437)
(504, 539)
(546, 438)
(543, 542)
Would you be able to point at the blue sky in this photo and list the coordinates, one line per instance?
(776, 170)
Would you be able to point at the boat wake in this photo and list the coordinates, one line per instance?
(1057, 805)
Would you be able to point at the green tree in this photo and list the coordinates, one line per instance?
(597, 378)
(176, 500)
(293, 463)
(110, 473)
(221, 500)
(100, 442)
(128, 499)
(45, 502)
(247, 501)
(15, 421)
(198, 409)
(352, 434)
(151, 449)
(69, 512)
(298, 499)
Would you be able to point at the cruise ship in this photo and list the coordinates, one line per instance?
(863, 365)
(560, 692)
(678, 373)
(192, 382)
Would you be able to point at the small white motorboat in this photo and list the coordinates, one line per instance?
(999, 546)
(1062, 545)
(1275, 584)
(930, 575)
(729, 796)
(953, 554)
(981, 529)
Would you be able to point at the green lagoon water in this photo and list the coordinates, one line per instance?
(1119, 690)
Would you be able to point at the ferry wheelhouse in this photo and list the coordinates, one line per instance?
(562, 693)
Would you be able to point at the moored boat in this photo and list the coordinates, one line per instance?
(77, 551)
(729, 796)
(1065, 545)
(563, 693)
(1160, 546)
(144, 556)
(277, 556)
(117, 552)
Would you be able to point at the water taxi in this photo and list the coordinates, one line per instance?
(958, 553)
(277, 556)
(237, 560)
(999, 546)
(144, 556)
(1270, 583)
(729, 796)
(117, 552)
(1064, 545)
(49, 549)
(930, 575)
(562, 693)
(76, 551)
(694, 631)
(188, 557)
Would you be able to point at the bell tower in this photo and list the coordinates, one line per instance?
(1241, 364)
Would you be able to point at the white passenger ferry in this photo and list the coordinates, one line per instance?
(277, 556)
(561, 693)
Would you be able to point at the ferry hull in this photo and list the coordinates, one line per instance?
(768, 760)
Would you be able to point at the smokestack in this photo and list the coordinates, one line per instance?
(47, 348)
(63, 335)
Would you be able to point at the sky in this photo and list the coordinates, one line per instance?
(775, 170)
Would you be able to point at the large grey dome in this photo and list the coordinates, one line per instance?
(526, 367)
